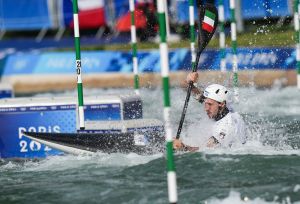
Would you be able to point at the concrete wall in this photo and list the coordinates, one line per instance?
(23, 84)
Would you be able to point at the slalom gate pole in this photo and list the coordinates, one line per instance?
(78, 65)
(164, 61)
(134, 47)
(234, 50)
(192, 31)
(222, 35)
(297, 39)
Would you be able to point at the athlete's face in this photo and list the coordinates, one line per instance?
(212, 107)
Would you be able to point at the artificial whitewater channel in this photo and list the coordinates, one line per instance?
(264, 170)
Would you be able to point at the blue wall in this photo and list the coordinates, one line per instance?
(110, 61)
(24, 14)
(35, 14)
(250, 9)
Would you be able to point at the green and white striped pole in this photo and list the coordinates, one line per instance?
(234, 50)
(78, 65)
(192, 31)
(222, 35)
(164, 61)
(134, 48)
(297, 39)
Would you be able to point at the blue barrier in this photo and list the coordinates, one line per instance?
(59, 115)
(110, 61)
(24, 15)
(182, 11)
(279, 8)
(121, 8)
(66, 11)
(265, 8)
(254, 9)
(52, 118)
(34, 14)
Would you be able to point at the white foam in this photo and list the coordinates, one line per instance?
(235, 197)
(252, 148)
(60, 163)
(8, 166)
(283, 101)
(297, 188)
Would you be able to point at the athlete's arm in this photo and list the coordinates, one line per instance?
(180, 146)
(212, 142)
(197, 93)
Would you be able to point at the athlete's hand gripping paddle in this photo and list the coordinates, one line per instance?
(208, 22)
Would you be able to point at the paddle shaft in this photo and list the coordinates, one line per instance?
(188, 95)
(207, 26)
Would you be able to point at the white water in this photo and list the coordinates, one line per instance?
(68, 161)
(254, 104)
(236, 198)
(272, 116)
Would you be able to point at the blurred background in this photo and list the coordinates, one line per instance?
(37, 45)
(41, 19)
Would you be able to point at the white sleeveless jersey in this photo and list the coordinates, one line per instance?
(230, 130)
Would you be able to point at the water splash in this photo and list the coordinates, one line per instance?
(236, 198)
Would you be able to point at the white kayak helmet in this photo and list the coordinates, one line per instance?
(216, 92)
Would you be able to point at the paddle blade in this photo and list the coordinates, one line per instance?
(208, 18)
